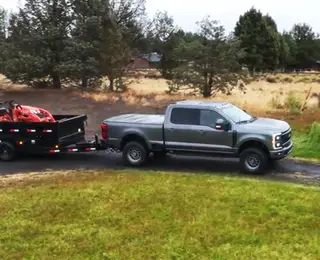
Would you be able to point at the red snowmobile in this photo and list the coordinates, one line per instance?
(22, 113)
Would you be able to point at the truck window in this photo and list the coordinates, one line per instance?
(209, 118)
(236, 114)
(185, 116)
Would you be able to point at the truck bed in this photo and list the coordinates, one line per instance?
(148, 126)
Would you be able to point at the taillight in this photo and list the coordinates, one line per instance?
(104, 131)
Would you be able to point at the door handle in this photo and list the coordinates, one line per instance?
(201, 132)
(170, 129)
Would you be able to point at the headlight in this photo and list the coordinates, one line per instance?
(276, 141)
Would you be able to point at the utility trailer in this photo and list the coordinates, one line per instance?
(66, 135)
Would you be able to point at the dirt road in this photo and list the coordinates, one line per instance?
(284, 170)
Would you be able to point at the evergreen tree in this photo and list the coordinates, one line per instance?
(38, 34)
(260, 40)
(208, 63)
(306, 43)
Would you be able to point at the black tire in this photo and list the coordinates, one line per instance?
(254, 160)
(135, 154)
(7, 151)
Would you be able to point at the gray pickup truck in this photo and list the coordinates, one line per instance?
(200, 128)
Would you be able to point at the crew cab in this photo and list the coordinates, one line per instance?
(200, 128)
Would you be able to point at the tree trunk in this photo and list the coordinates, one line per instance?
(208, 87)
(206, 90)
(111, 85)
(84, 83)
(56, 81)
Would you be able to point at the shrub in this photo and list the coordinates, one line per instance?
(287, 80)
(304, 79)
(270, 79)
(275, 103)
(314, 134)
(293, 103)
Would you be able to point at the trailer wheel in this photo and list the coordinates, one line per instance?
(7, 151)
(134, 154)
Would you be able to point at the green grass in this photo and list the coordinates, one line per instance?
(307, 144)
(152, 215)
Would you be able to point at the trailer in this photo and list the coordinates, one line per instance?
(66, 135)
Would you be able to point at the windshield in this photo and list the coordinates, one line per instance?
(236, 114)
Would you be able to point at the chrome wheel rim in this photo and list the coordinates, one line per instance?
(134, 155)
(252, 161)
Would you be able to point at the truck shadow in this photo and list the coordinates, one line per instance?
(197, 164)
(101, 161)
(214, 166)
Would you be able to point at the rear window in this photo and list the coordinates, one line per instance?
(185, 116)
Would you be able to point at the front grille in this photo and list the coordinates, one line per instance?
(286, 136)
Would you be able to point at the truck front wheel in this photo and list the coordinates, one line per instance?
(254, 160)
(134, 154)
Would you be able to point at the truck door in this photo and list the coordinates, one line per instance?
(213, 139)
(181, 130)
(193, 129)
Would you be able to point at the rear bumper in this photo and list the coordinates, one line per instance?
(282, 153)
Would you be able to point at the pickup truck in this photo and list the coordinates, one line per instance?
(192, 127)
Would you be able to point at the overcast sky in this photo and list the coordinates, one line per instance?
(187, 12)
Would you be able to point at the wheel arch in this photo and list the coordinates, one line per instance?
(134, 137)
(253, 143)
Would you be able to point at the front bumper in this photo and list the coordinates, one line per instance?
(282, 153)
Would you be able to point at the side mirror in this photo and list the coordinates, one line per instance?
(222, 125)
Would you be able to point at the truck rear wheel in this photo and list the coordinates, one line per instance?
(134, 154)
(7, 151)
(254, 160)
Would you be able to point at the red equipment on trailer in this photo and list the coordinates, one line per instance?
(22, 113)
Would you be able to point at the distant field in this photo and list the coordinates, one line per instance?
(154, 215)
(260, 95)
(265, 93)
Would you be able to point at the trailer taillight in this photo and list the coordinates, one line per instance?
(104, 131)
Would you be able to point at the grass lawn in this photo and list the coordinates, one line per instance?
(154, 215)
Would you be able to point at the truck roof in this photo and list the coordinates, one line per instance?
(203, 104)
